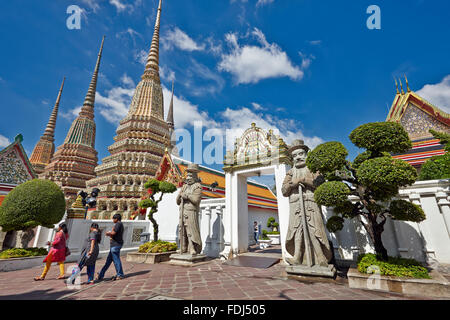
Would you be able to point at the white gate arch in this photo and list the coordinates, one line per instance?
(256, 152)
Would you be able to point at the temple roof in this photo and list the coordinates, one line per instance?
(15, 167)
(172, 169)
(417, 116)
(402, 100)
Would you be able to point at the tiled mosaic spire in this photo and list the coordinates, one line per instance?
(83, 128)
(142, 138)
(152, 66)
(45, 148)
(74, 162)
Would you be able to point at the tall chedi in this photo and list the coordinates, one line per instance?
(75, 160)
(45, 148)
(142, 138)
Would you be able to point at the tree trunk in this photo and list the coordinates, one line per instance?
(155, 226)
(378, 243)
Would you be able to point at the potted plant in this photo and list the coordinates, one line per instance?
(264, 241)
(155, 251)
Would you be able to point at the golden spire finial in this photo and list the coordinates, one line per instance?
(407, 84)
(152, 66)
(396, 86)
(401, 85)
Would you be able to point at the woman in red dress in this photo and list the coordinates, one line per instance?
(57, 253)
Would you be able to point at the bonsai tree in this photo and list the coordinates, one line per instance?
(437, 167)
(272, 224)
(154, 187)
(374, 177)
(30, 204)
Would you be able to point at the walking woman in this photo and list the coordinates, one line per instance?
(90, 252)
(57, 253)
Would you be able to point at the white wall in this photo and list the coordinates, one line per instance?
(426, 241)
(261, 216)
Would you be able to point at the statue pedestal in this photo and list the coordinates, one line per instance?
(315, 271)
(186, 259)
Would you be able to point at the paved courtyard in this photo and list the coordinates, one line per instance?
(210, 281)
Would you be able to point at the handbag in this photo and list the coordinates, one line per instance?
(67, 248)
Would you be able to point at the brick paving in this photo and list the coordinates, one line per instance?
(210, 281)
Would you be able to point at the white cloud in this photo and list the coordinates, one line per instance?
(315, 42)
(239, 120)
(257, 106)
(166, 74)
(114, 106)
(4, 142)
(71, 114)
(250, 63)
(438, 94)
(141, 57)
(178, 38)
(92, 4)
(261, 3)
(119, 5)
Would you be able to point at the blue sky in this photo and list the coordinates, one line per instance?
(312, 69)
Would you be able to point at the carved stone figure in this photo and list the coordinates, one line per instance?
(189, 201)
(306, 239)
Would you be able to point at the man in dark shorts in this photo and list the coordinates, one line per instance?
(114, 252)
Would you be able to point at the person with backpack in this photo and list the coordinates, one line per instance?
(57, 253)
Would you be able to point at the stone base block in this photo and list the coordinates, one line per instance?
(438, 286)
(315, 271)
(149, 258)
(186, 259)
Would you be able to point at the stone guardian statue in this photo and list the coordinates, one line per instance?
(189, 201)
(306, 238)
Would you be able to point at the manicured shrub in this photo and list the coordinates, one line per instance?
(398, 267)
(374, 178)
(157, 247)
(21, 253)
(33, 203)
(154, 187)
(381, 137)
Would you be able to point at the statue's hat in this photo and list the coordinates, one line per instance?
(193, 167)
(298, 144)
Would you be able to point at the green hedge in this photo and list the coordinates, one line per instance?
(398, 267)
(21, 253)
(157, 247)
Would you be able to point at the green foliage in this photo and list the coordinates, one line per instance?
(327, 157)
(157, 247)
(33, 203)
(366, 155)
(398, 267)
(406, 211)
(346, 209)
(264, 235)
(21, 253)
(152, 184)
(437, 167)
(385, 175)
(270, 222)
(167, 187)
(442, 136)
(381, 136)
(335, 223)
(332, 193)
(147, 203)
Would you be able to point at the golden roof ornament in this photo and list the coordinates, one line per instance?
(401, 86)
(407, 84)
(396, 86)
(78, 204)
